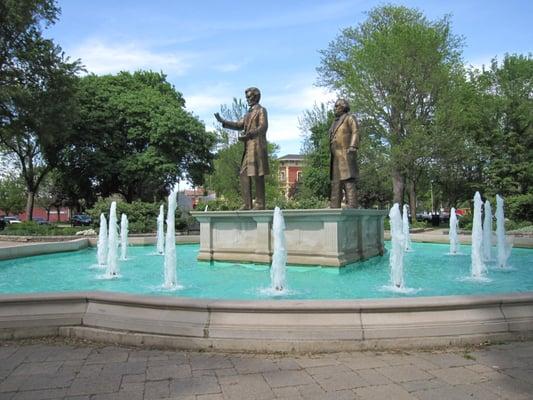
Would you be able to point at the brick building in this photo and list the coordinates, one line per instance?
(290, 173)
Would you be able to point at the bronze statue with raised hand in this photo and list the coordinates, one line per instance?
(254, 163)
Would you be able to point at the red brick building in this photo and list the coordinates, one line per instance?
(290, 173)
(39, 212)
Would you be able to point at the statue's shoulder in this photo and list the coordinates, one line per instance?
(352, 116)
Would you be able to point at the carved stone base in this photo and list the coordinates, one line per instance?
(326, 237)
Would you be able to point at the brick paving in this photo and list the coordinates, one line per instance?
(60, 368)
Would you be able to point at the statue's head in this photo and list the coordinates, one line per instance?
(253, 95)
(341, 106)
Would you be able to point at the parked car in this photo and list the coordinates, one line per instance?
(81, 219)
(40, 221)
(12, 220)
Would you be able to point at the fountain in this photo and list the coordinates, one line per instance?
(279, 258)
(454, 237)
(102, 241)
(397, 246)
(504, 247)
(222, 307)
(487, 233)
(406, 235)
(161, 230)
(112, 243)
(478, 268)
(170, 244)
(123, 236)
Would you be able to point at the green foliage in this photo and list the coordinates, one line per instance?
(394, 67)
(30, 228)
(316, 181)
(281, 202)
(508, 139)
(225, 177)
(12, 195)
(142, 217)
(219, 204)
(520, 207)
(37, 106)
(135, 137)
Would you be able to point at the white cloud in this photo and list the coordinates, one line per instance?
(207, 99)
(301, 98)
(283, 127)
(228, 67)
(101, 57)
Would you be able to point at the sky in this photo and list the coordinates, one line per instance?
(212, 50)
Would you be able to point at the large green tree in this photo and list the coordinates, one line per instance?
(393, 68)
(37, 105)
(135, 138)
(508, 87)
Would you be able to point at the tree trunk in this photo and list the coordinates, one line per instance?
(398, 186)
(29, 205)
(58, 214)
(412, 200)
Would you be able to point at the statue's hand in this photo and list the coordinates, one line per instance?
(352, 149)
(243, 138)
(219, 118)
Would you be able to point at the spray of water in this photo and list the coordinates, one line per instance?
(170, 244)
(123, 237)
(487, 233)
(503, 245)
(454, 237)
(405, 228)
(279, 258)
(101, 253)
(112, 242)
(478, 267)
(161, 230)
(397, 246)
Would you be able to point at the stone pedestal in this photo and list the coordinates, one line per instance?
(326, 237)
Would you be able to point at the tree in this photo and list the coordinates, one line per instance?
(36, 101)
(315, 124)
(135, 138)
(12, 194)
(509, 86)
(394, 67)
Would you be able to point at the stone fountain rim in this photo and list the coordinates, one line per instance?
(264, 325)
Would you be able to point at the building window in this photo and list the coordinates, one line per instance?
(282, 176)
(299, 176)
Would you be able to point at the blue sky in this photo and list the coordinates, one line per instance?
(213, 50)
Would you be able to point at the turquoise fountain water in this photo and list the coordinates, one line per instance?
(429, 269)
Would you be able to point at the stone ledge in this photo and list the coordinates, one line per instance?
(269, 325)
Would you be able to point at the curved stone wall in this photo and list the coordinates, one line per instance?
(269, 325)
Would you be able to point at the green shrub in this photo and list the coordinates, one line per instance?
(142, 216)
(31, 228)
(519, 207)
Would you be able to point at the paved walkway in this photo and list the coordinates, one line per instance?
(64, 369)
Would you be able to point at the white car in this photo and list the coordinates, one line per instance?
(12, 220)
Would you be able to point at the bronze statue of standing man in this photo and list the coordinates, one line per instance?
(254, 163)
(343, 142)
